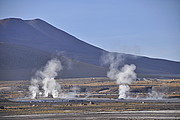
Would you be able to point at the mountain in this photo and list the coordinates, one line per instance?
(19, 62)
(39, 34)
(40, 40)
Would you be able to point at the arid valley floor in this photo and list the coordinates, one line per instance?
(96, 98)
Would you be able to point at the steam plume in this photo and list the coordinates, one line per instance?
(45, 78)
(158, 93)
(124, 76)
(72, 93)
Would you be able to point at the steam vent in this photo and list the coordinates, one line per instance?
(50, 96)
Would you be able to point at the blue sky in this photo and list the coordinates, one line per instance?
(142, 27)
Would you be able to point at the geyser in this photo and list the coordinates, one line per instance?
(124, 76)
(45, 78)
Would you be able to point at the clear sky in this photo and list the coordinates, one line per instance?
(142, 27)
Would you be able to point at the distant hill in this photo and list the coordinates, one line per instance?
(40, 41)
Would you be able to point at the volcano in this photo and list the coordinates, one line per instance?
(25, 46)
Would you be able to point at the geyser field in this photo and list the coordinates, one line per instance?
(120, 95)
(99, 100)
(45, 78)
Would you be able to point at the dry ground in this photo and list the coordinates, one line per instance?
(101, 86)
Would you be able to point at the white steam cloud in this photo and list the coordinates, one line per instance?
(124, 76)
(45, 78)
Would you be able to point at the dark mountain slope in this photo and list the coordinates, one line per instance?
(147, 65)
(21, 62)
